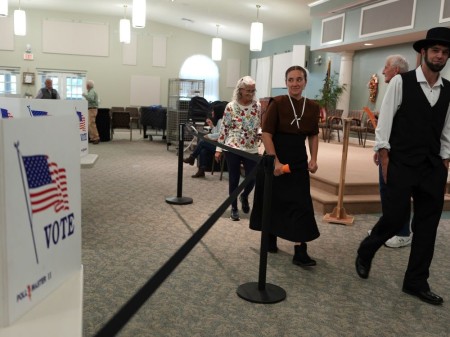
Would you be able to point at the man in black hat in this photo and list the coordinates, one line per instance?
(413, 144)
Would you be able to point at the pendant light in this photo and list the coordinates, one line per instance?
(216, 50)
(256, 33)
(139, 13)
(3, 8)
(125, 28)
(20, 22)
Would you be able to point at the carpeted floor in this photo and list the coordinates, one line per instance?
(129, 231)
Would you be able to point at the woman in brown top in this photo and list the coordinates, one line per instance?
(288, 121)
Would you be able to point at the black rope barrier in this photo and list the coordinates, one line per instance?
(127, 311)
(260, 292)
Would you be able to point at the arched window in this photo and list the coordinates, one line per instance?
(201, 67)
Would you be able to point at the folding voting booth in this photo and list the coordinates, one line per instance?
(41, 142)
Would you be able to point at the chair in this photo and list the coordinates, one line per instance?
(333, 122)
(222, 165)
(323, 124)
(357, 124)
(154, 116)
(371, 123)
(135, 116)
(121, 120)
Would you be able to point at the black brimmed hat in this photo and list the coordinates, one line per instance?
(437, 35)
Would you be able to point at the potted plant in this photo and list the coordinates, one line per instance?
(330, 92)
(328, 98)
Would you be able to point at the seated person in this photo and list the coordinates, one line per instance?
(205, 150)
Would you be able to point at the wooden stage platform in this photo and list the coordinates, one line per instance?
(361, 193)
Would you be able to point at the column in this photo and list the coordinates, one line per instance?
(345, 77)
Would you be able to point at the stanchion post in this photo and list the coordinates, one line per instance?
(262, 292)
(179, 199)
(339, 215)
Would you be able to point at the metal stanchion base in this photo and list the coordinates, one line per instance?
(271, 294)
(179, 200)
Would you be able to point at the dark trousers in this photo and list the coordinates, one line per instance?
(204, 151)
(234, 174)
(405, 230)
(426, 185)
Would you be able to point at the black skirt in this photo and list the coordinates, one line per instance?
(292, 213)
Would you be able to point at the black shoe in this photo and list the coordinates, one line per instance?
(301, 257)
(189, 160)
(200, 173)
(234, 215)
(425, 295)
(245, 205)
(362, 267)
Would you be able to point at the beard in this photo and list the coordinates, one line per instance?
(433, 67)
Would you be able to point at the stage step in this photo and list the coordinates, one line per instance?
(325, 202)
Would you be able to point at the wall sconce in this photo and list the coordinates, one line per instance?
(3, 8)
(256, 33)
(124, 28)
(318, 60)
(20, 22)
(216, 50)
(139, 13)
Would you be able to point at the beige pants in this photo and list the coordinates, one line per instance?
(93, 132)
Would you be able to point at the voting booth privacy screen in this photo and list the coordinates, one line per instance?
(40, 199)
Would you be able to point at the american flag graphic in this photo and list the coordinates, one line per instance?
(6, 113)
(37, 113)
(47, 184)
(82, 121)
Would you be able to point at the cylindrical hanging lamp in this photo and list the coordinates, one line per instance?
(20, 22)
(139, 13)
(125, 28)
(216, 50)
(3, 8)
(256, 33)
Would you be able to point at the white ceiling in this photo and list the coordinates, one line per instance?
(234, 17)
(280, 17)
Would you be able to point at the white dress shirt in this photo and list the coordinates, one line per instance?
(391, 103)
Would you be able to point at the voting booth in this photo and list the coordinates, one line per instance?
(41, 142)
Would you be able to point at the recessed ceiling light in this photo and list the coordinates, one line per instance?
(368, 44)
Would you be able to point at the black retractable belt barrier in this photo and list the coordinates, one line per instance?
(179, 199)
(262, 292)
(127, 311)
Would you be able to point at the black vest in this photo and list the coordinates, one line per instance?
(417, 126)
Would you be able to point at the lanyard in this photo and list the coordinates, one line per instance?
(297, 120)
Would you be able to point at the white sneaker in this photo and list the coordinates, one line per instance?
(398, 241)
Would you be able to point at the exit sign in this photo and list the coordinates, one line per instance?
(28, 56)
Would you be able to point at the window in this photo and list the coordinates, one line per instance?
(201, 67)
(68, 84)
(9, 81)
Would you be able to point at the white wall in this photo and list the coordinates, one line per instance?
(112, 78)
